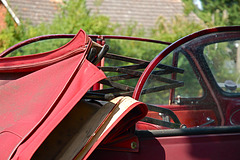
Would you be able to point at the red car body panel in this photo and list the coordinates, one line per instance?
(199, 147)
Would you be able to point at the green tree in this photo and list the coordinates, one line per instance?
(177, 28)
(216, 12)
(228, 10)
(72, 17)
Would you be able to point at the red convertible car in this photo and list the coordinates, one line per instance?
(66, 104)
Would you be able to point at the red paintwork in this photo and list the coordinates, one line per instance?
(147, 126)
(101, 42)
(207, 147)
(187, 116)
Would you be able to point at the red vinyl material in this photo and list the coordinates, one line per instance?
(37, 61)
(33, 105)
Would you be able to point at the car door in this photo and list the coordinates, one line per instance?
(192, 92)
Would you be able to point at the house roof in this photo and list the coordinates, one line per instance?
(143, 12)
(35, 11)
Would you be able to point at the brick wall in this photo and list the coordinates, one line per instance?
(3, 12)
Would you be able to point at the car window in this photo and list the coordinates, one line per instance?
(172, 86)
(194, 82)
(223, 59)
(192, 87)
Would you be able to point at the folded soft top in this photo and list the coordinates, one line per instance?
(37, 61)
(33, 104)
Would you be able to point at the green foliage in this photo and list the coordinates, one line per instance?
(179, 27)
(216, 12)
(166, 31)
(225, 10)
(73, 16)
(189, 6)
(11, 35)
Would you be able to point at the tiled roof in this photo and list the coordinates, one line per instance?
(144, 12)
(35, 11)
